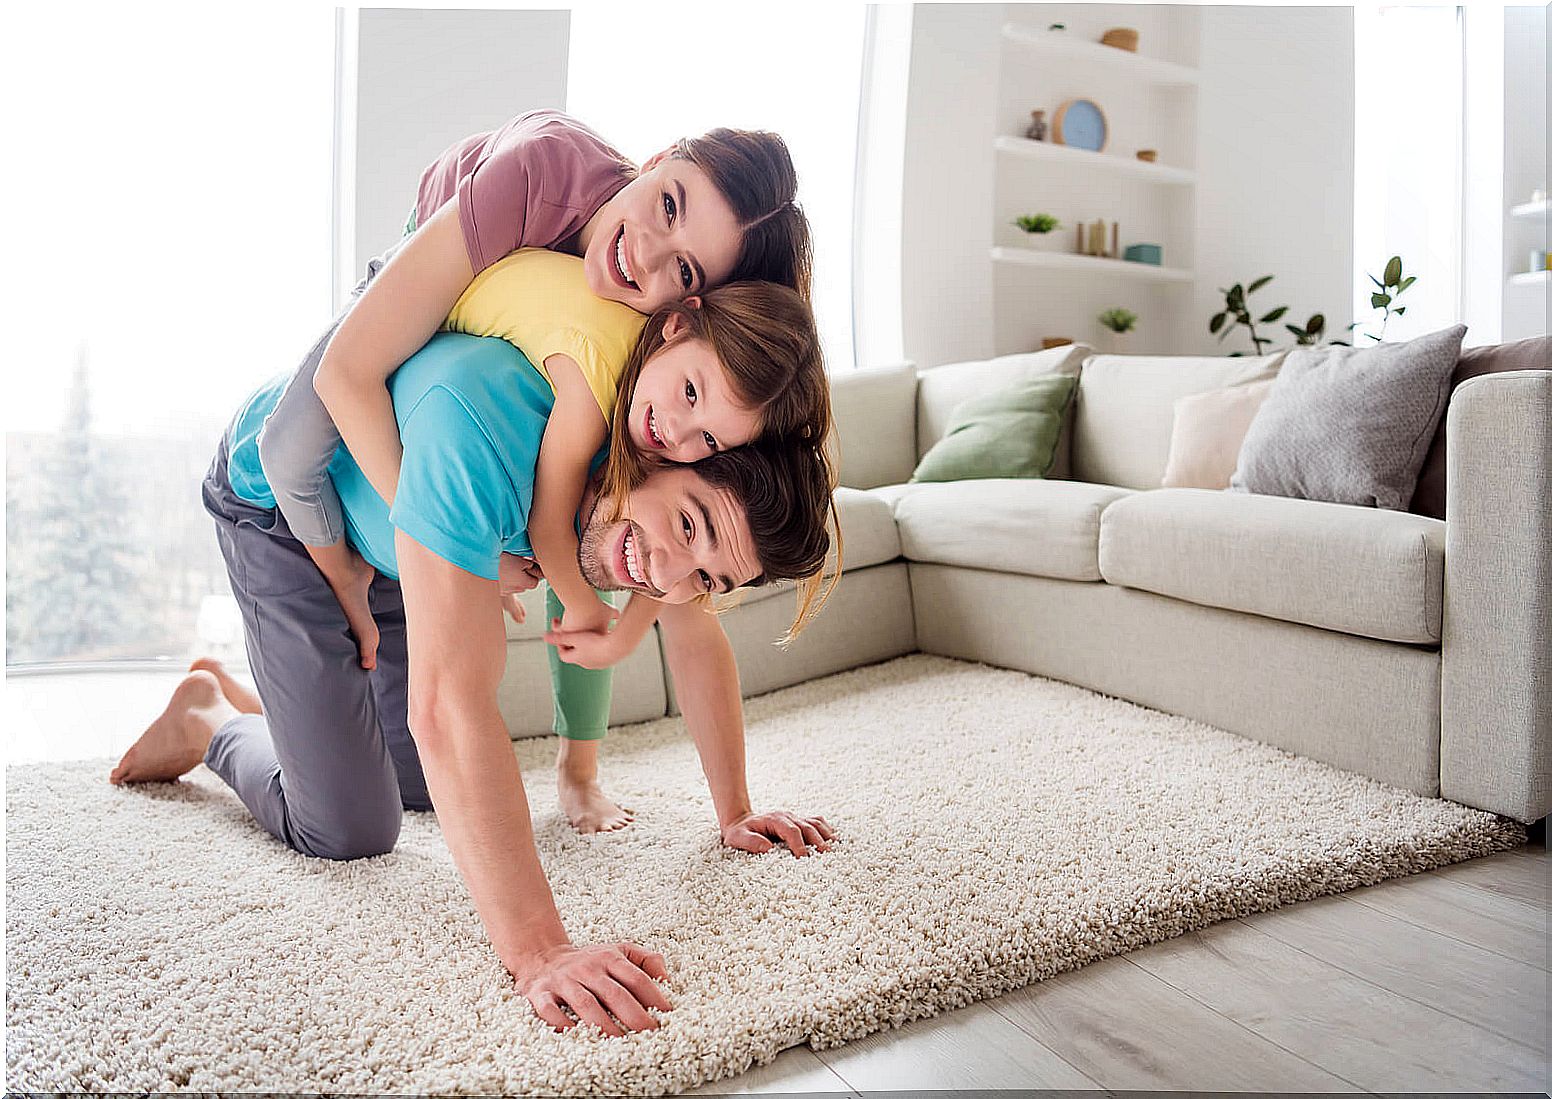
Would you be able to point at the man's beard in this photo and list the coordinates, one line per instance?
(594, 550)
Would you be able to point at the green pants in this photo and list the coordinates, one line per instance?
(581, 694)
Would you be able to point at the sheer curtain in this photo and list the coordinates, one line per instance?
(645, 75)
(1407, 168)
(167, 248)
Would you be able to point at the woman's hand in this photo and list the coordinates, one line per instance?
(757, 831)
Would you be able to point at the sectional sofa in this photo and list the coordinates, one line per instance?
(1406, 648)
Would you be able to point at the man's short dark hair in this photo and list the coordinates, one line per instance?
(784, 488)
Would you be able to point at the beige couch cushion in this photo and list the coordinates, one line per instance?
(1358, 570)
(943, 388)
(1209, 430)
(1125, 408)
(875, 423)
(1037, 527)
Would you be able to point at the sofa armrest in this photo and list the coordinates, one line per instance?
(1496, 688)
(875, 420)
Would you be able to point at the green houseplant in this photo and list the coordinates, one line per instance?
(1237, 312)
(1037, 223)
(1119, 322)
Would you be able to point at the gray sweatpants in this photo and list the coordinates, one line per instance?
(299, 439)
(330, 765)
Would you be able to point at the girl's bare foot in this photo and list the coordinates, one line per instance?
(588, 808)
(175, 743)
(581, 798)
(245, 700)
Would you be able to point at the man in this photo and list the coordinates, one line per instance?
(331, 762)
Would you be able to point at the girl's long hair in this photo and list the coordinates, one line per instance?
(764, 337)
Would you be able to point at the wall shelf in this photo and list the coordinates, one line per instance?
(1529, 278)
(1530, 209)
(1060, 44)
(1095, 265)
(1111, 162)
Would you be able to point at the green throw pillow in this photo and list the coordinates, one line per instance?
(1009, 433)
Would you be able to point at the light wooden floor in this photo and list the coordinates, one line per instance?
(1437, 982)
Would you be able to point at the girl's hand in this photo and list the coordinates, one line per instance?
(588, 648)
(590, 615)
(756, 832)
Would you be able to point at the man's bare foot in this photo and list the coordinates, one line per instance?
(245, 700)
(587, 807)
(175, 743)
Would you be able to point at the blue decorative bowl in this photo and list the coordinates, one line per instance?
(1144, 253)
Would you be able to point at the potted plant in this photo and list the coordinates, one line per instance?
(1118, 323)
(1038, 228)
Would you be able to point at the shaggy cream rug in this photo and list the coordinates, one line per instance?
(996, 829)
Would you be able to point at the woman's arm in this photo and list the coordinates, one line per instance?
(401, 309)
(575, 431)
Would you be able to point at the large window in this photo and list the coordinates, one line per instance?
(167, 248)
(646, 75)
(1407, 167)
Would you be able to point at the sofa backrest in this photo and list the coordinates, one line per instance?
(875, 421)
(942, 388)
(1125, 409)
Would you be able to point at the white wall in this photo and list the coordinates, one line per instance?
(412, 82)
(1525, 308)
(1274, 155)
(946, 201)
(1275, 167)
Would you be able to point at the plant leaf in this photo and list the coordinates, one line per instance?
(1393, 271)
(1217, 322)
(1376, 282)
(1408, 281)
(1297, 331)
(1275, 314)
(1259, 283)
(1401, 310)
(1379, 301)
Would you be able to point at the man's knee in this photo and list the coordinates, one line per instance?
(362, 838)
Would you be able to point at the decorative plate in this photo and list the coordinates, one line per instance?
(1081, 124)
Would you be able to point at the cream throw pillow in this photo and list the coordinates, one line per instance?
(1209, 428)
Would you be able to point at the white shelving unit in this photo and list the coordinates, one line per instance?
(1058, 44)
(1530, 278)
(1097, 265)
(1043, 292)
(1531, 209)
(1108, 162)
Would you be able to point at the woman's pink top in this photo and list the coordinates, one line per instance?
(531, 184)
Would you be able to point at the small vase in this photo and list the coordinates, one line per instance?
(1045, 242)
(1116, 343)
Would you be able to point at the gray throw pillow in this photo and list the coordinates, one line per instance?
(1350, 425)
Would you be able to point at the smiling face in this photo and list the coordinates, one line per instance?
(679, 537)
(667, 234)
(683, 407)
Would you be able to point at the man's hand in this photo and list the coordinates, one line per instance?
(595, 982)
(756, 832)
(588, 648)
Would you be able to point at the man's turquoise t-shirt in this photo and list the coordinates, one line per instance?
(472, 412)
